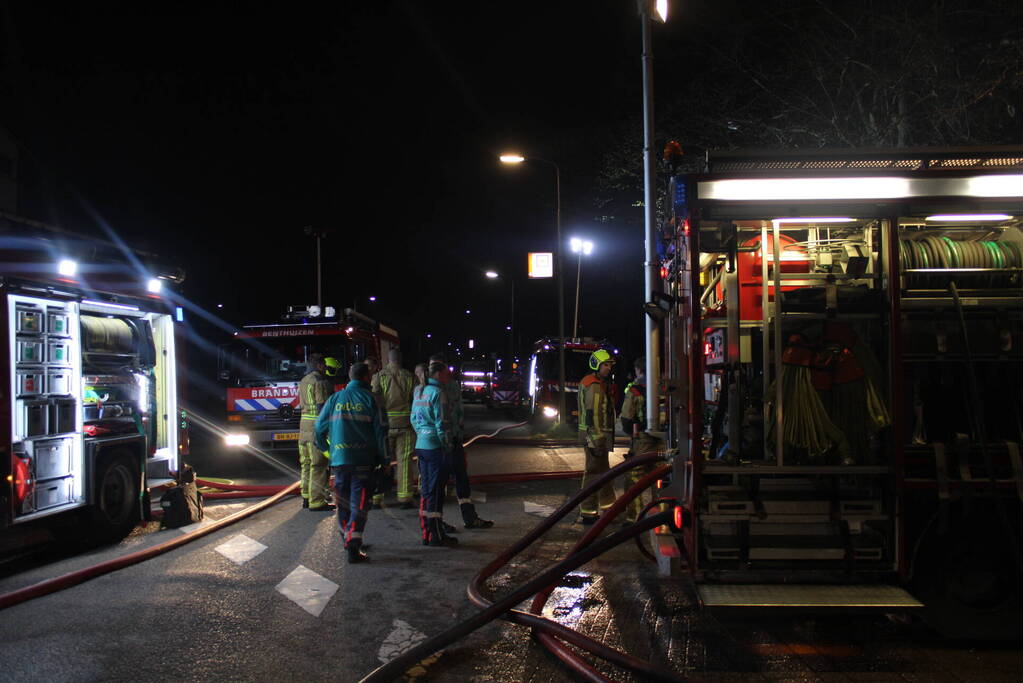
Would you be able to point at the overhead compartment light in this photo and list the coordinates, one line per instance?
(968, 217)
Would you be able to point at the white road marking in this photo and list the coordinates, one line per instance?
(205, 521)
(402, 638)
(307, 589)
(240, 549)
(537, 509)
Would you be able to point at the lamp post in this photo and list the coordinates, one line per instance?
(580, 247)
(648, 11)
(494, 275)
(518, 159)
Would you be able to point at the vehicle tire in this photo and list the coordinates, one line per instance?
(968, 582)
(115, 511)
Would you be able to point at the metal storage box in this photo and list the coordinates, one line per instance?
(51, 458)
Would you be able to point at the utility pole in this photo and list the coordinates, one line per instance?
(318, 235)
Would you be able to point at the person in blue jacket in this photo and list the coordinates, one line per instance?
(431, 419)
(350, 430)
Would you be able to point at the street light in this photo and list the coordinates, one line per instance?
(513, 158)
(494, 275)
(579, 246)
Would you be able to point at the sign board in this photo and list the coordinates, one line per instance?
(541, 264)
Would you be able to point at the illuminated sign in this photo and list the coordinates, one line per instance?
(541, 264)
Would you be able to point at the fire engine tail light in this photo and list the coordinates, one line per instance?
(20, 478)
(678, 519)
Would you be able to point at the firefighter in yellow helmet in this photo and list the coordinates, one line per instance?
(597, 431)
(313, 391)
(393, 387)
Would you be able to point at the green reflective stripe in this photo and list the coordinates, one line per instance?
(310, 417)
(399, 412)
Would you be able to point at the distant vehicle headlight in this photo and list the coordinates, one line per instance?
(236, 439)
(550, 411)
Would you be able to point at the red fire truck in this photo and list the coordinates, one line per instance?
(263, 365)
(89, 417)
(543, 377)
(843, 357)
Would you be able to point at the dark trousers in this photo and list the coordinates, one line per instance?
(460, 471)
(433, 474)
(353, 489)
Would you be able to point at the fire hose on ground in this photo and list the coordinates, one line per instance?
(585, 550)
(227, 491)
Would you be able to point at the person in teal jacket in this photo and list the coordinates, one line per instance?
(431, 419)
(350, 430)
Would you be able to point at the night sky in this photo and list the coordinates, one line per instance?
(213, 134)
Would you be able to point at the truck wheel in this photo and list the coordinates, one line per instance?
(115, 510)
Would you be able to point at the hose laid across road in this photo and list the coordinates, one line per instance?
(82, 575)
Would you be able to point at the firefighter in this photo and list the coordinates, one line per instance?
(634, 424)
(393, 387)
(458, 465)
(431, 418)
(349, 428)
(313, 391)
(596, 431)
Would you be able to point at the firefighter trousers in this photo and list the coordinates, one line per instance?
(315, 473)
(597, 456)
(401, 443)
(640, 445)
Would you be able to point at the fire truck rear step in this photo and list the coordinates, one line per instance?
(806, 596)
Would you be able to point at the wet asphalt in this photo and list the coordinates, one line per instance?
(194, 614)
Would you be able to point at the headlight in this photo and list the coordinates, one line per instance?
(236, 439)
(550, 411)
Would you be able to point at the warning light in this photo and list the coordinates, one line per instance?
(685, 227)
(664, 272)
(679, 516)
(660, 483)
(706, 348)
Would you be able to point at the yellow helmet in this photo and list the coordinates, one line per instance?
(600, 356)
(333, 366)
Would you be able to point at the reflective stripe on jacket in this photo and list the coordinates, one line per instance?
(596, 408)
(431, 417)
(349, 428)
(313, 392)
(393, 388)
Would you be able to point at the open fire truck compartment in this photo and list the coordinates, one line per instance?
(89, 417)
(843, 363)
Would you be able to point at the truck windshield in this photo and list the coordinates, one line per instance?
(274, 360)
(576, 365)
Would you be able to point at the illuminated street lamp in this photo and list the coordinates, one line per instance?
(513, 158)
(494, 275)
(581, 247)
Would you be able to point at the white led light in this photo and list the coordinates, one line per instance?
(550, 411)
(805, 188)
(236, 439)
(154, 286)
(995, 186)
(67, 267)
(512, 158)
(961, 217)
(816, 219)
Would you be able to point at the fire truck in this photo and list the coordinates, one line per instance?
(543, 377)
(89, 417)
(842, 367)
(262, 366)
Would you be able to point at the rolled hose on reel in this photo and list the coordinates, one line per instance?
(989, 260)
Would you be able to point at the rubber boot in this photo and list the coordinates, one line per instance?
(439, 539)
(471, 519)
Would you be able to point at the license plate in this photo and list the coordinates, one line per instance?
(285, 436)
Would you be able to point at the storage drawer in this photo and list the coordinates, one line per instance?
(62, 416)
(31, 383)
(30, 352)
(31, 418)
(58, 352)
(30, 320)
(58, 382)
(54, 492)
(51, 458)
(57, 324)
